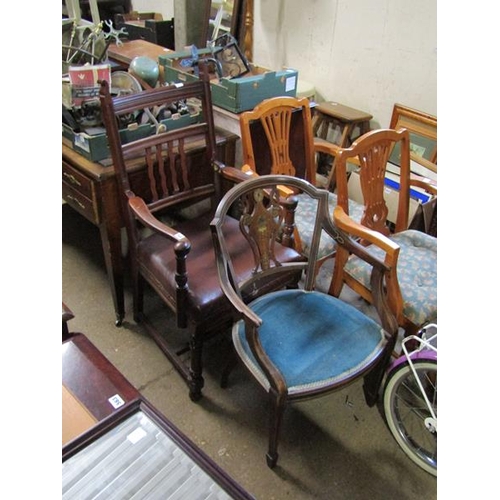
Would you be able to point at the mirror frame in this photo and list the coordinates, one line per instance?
(238, 22)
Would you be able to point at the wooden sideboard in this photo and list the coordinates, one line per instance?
(92, 190)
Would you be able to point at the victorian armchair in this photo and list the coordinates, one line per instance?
(168, 215)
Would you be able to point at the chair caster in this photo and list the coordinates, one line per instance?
(118, 321)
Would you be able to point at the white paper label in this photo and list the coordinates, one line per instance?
(290, 83)
(116, 401)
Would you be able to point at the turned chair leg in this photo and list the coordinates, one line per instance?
(196, 381)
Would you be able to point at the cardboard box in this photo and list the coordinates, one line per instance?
(84, 81)
(93, 144)
(234, 94)
(95, 147)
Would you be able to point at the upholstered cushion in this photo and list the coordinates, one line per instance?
(313, 339)
(417, 274)
(305, 216)
(206, 299)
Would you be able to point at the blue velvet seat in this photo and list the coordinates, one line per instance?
(332, 341)
(297, 342)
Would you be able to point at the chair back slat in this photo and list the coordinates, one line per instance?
(371, 152)
(276, 138)
(167, 154)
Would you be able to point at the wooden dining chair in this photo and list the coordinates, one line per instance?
(412, 282)
(277, 138)
(168, 215)
(297, 343)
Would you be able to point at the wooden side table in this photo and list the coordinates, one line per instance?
(333, 115)
(340, 119)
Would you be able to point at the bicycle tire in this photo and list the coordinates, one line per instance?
(405, 411)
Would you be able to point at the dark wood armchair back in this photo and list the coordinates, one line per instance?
(172, 179)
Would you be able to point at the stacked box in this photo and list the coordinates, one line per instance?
(234, 94)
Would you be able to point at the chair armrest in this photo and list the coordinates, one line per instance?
(250, 174)
(182, 248)
(234, 174)
(348, 225)
(144, 215)
(391, 249)
(324, 146)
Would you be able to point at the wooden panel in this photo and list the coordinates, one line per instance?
(92, 379)
(76, 419)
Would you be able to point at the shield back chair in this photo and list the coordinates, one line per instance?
(167, 214)
(298, 343)
(277, 138)
(412, 282)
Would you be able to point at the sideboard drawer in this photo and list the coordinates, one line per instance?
(78, 191)
(76, 180)
(80, 203)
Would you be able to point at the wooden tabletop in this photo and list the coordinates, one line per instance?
(343, 113)
(128, 50)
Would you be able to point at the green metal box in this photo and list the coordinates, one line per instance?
(235, 94)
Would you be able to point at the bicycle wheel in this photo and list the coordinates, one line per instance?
(405, 411)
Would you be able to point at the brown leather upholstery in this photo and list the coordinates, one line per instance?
(206, 302)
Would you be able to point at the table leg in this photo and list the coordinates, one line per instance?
(111, 247)
(345, 141)
(110, 229)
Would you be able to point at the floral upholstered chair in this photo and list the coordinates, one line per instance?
(412, 284)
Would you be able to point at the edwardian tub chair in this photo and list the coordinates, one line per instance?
(297, 343)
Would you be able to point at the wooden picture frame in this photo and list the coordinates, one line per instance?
(423, 135)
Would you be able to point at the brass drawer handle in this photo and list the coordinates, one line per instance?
(72, 179)
(78, 202)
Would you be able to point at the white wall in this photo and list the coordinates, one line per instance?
(367, 54)
(163, 7)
